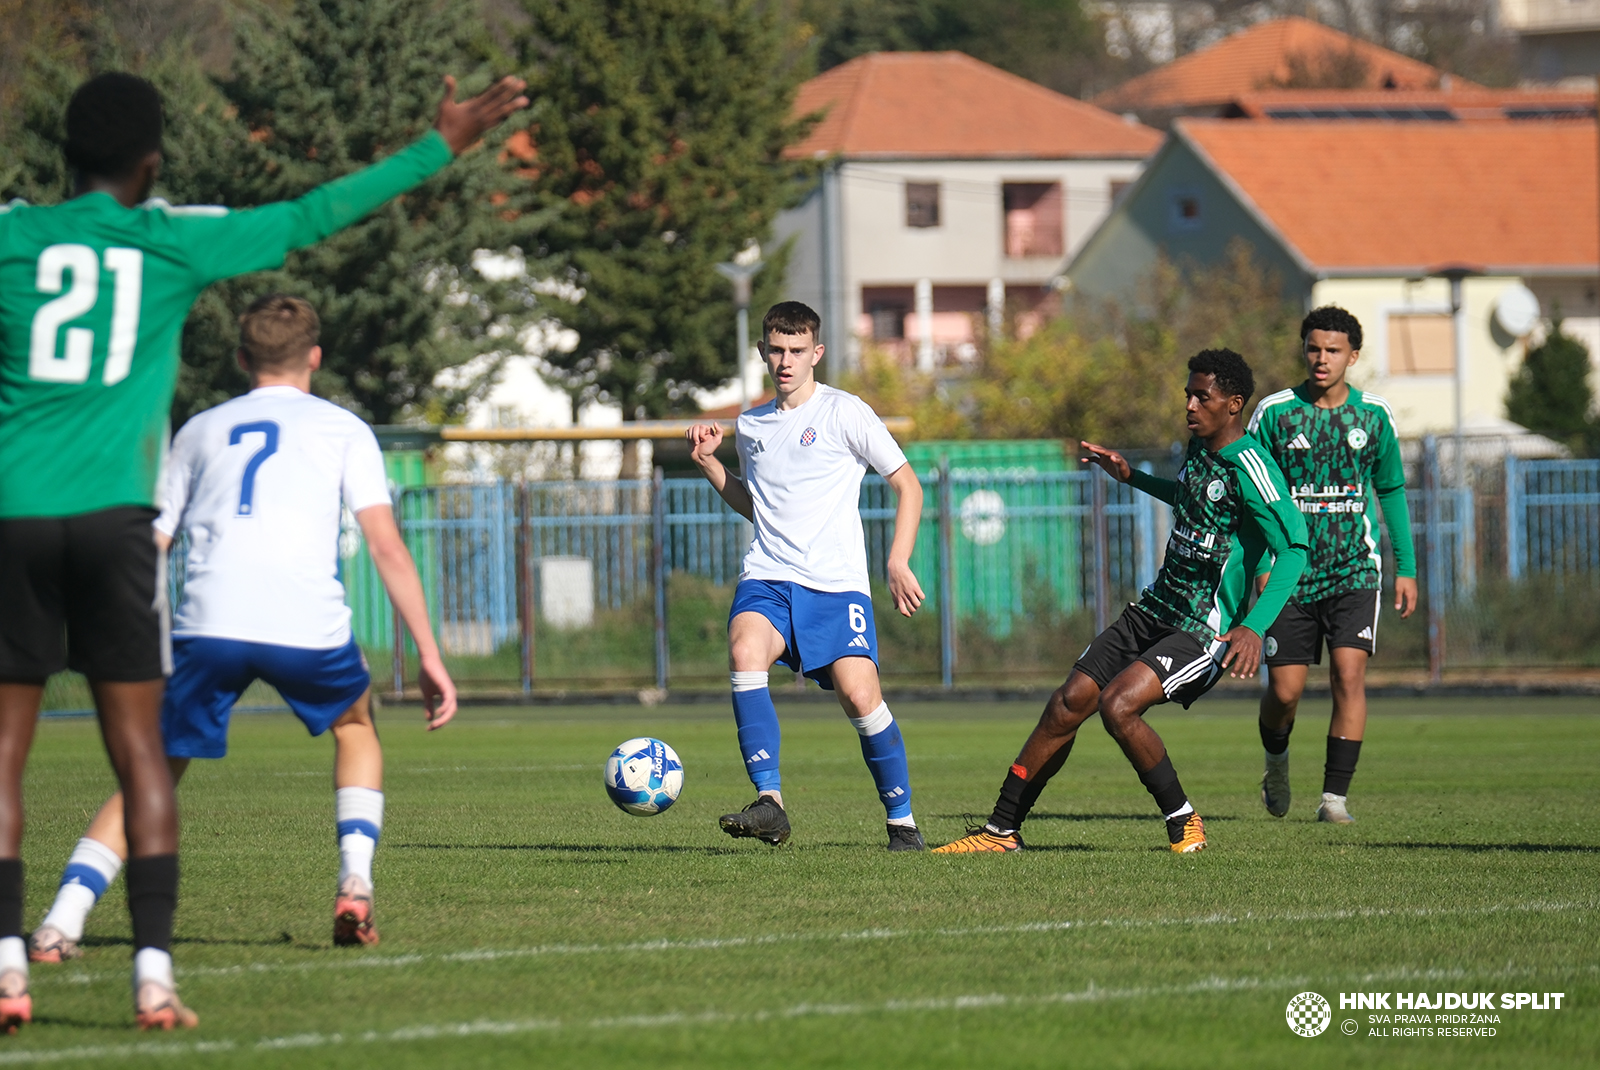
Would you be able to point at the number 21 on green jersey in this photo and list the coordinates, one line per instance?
(51, 358)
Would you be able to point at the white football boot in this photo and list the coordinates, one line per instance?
(1333, 811)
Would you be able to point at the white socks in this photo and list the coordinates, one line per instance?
(748, 681)
(13, 958)
(1182, 811)
(152, 964)
(359, 813)
(90, 870)
(877, 721)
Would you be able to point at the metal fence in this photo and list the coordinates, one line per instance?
(993, 553)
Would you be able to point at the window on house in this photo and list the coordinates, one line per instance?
(922, 204)
(1119, 186)
(1183, 210)
(1421, 344)
(1034, 219)
(888, 322)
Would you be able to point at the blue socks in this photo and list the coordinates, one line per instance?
(885, 752)
(759, 736)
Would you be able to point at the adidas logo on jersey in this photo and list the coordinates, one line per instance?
(860, 641)
(1166, 662)
(758, 756)
(1365, 633)
(1299, 442)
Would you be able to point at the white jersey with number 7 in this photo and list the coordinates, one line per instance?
(258, 482)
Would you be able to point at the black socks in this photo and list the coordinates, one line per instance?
(1342, 757)
(10, 897)
(152, 899)
(1020, 792)
(1162, 784)
(1275, 740)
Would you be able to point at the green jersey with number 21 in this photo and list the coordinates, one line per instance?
(93, 297)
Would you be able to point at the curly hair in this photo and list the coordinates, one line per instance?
(113, 122)
(1332, 318)
(1232, 374)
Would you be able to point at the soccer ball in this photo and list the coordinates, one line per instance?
(644, 776)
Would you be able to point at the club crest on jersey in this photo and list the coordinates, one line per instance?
(1357, 438)
(1215, 490)
(808, 436)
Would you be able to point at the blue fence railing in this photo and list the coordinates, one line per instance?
(991, 549)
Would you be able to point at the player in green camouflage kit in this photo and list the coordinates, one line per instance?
(1231, 511)
(1338, 449)
(93, 295)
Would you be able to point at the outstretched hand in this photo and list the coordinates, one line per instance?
(438, 692)
(1244, 652)
(1110, 460)
(462, 124)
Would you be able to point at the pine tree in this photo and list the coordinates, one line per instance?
(316, 92)
(1551, 393)
(658, 131)
(318, 89)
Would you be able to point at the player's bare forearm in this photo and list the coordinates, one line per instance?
(703, 441)
(462, 124)
(399, 575)
(903, 585)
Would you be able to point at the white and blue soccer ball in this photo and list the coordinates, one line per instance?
(644, 776)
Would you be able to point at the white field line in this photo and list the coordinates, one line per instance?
(978, 1001)
(857, 936)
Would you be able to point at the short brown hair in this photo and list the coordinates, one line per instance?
(791, 317)
(277, 331)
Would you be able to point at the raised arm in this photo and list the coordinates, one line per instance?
(903, 585)
(1118, 468)
(399, 575)
(704, 439)
(235, 243)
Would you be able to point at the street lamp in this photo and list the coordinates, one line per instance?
(1454, 273)
(739, 271)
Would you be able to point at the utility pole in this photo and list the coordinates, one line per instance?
(739, 271)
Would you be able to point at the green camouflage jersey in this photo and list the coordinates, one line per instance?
(1336, 460)
(92, 302)
(1230, 509)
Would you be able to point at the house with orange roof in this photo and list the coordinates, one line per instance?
(952, 194)
(1277, 54)
(1458, 104)
(1368, 215)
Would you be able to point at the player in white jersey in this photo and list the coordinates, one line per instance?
(258, 483)
(803, 598)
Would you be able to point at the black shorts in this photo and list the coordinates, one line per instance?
(1347, 619)
(1187, 668)
(86, 592)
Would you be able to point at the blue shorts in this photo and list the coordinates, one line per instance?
(209, 675)
(818, 627)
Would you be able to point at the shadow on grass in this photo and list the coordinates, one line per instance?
(197, 941)
(592, 848)
(1481, 848)
(978, 819)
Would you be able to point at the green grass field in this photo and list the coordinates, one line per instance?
(526, 921)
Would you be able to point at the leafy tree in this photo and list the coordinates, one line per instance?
(1551, 393)
(317, 89)
(1053, 42)
(656, 144)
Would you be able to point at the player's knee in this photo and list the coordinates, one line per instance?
(1118, 711)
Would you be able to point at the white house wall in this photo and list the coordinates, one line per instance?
(1426, 403)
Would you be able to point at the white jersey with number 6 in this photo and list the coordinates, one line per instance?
(257, 483)
(803, 468)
